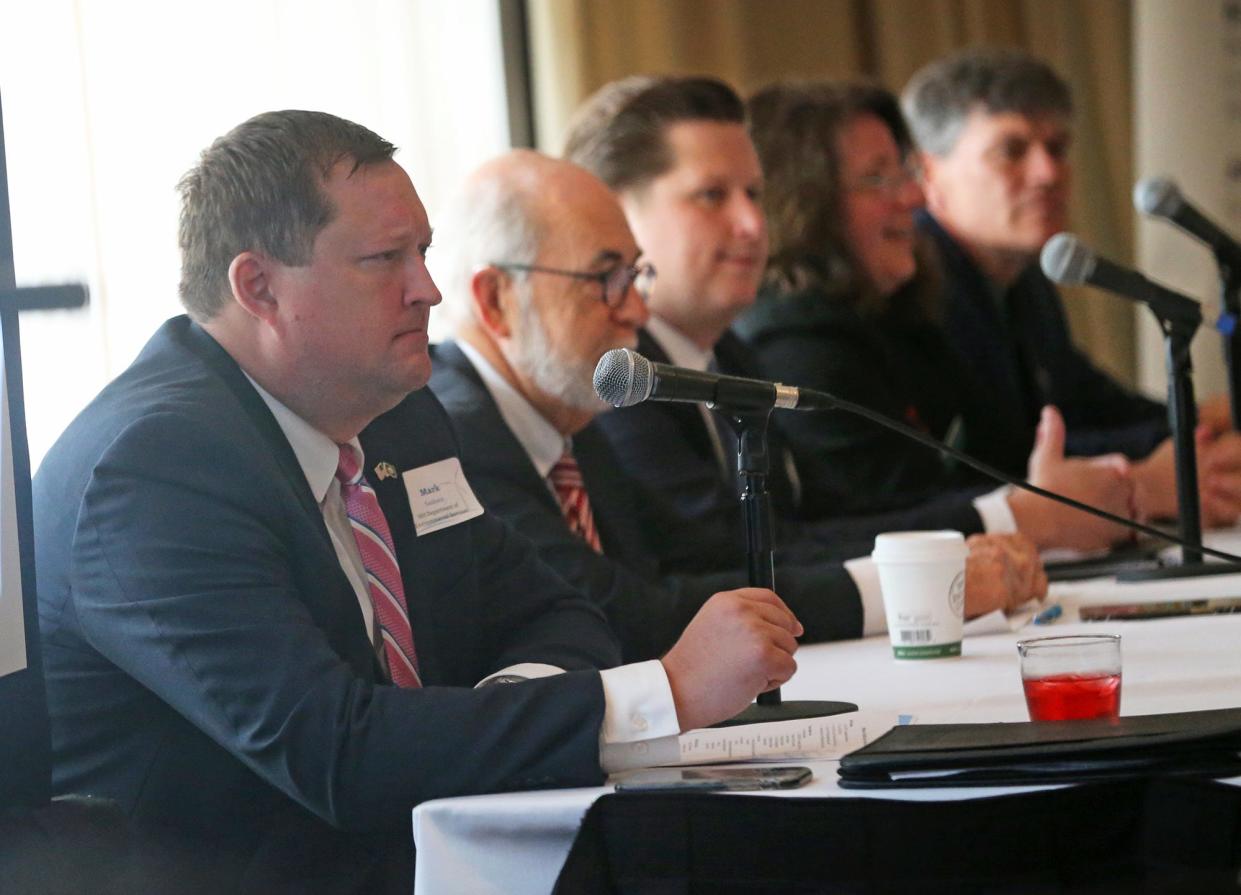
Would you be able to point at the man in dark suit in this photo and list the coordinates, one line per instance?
(240, 645)
(535, 302)
(994, 131)
(676, 152)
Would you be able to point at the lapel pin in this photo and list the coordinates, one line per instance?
(385, 470)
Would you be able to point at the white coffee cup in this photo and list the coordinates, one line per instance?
(922, 576)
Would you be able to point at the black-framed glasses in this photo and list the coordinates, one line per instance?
(613, 284)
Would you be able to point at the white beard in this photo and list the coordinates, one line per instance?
(569, 381)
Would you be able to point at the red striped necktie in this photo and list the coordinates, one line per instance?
(566, 479)
(383, 575)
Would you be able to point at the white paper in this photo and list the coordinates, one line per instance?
(994, 622)
(439, 496)
(821, 739)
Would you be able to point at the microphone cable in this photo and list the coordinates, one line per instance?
(991, 472)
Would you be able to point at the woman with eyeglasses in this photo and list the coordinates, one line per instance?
(848, 303)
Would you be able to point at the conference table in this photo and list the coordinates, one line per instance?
(517, 842)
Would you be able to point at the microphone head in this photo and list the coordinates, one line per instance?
(623, 377)
(1066, 260)
(1157, 196)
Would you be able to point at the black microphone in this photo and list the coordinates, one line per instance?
(624, 377)
(1066, 260)
(1161, 198)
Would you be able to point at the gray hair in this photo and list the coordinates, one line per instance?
(259, 188)
(941, 95)
(488, 222)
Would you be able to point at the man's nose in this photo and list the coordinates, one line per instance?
(633, 309)
(747, 217)
(420, 288)
(1044, 165)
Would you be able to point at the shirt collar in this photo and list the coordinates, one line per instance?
(681, 350)
(543, 444)
(317, 454)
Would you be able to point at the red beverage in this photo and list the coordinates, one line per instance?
(1063, 697)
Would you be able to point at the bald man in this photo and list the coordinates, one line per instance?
(543, 276)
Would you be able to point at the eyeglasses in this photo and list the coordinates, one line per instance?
(887, 184)
(613, 284)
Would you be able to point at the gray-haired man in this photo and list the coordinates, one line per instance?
(994, 128)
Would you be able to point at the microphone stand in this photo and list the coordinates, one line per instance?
(1179, 319)
(1229, 325)
(753, 464)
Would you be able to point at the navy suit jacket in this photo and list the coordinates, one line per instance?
(647, 606)
(1020, 356)
(666, 446)
(206, 659)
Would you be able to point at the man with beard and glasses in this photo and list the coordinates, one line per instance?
(543, 276)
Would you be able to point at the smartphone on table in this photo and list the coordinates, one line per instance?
(713, 779)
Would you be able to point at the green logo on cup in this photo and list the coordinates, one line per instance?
(933, 651)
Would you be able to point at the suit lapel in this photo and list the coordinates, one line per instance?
(608, 490)
(490, 442)
(358, 651)
(433, 566)
(688, 418)
(214, 356)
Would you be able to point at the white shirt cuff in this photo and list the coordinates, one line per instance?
(865, 575)
(997, 515)
(528, 670)
(637, 703)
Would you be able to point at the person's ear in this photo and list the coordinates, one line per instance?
(249, 277)
(928, 174)
(491, 291)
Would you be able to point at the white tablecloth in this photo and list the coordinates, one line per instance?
(517, 842)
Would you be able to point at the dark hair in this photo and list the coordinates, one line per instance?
(619, 133)
(796, 129)
(941, 95)
(259, 188)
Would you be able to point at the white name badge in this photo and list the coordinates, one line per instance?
(439, 496)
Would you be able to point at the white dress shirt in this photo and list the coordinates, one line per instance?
(638, 696)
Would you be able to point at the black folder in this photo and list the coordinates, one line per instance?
(1204, 744)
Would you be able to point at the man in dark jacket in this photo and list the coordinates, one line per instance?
(271, 633)
(994, 131)
(677, 153)
(535, 301)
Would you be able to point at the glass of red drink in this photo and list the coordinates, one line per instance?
(1071, 677)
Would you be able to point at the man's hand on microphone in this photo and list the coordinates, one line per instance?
(1103, 482)
(740, 644)
(1002, 572)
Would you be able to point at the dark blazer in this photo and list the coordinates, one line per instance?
(895, 363)
(666, 447)
(1019, 354)
(648, 609)
(207, 664)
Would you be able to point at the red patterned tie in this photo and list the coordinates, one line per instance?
(566, 479)
(383, 575)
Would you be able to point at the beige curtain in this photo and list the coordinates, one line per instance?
(579, 45)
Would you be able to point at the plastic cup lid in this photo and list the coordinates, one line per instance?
(919, 546)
